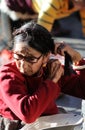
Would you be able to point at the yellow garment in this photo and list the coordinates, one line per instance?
(51, 10)
(82, 14)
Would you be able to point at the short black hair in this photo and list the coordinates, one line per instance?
(36, 36)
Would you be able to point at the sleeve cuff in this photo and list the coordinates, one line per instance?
(80, 65)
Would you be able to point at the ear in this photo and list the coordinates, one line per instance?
(46, 58)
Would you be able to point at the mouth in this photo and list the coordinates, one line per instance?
(29, 72)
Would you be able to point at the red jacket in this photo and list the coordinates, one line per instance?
(27, 98)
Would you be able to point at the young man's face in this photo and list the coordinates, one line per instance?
(28, 60)
(80, 4)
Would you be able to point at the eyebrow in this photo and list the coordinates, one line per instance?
(30, 55)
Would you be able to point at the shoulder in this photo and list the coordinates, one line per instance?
(8, 67)
(9, 71)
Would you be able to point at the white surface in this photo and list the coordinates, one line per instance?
(56, 121)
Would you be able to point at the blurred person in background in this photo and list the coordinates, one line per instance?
(46, 12)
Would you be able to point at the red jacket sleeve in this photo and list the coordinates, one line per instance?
(75, 84)
(26, 107)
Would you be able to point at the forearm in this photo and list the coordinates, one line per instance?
(74, 85)
(29, 107)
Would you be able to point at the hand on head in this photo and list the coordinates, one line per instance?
(62, 47)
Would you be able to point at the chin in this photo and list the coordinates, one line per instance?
(29, 73)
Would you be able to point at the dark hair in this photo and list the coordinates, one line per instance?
(36, 36)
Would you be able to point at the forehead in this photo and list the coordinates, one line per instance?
(25, 49)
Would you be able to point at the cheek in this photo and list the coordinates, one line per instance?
(21, 65)
(36, 67)
(17, 64)
(27, 66)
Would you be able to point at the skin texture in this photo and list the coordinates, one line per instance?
(24, 66)
(29, 69)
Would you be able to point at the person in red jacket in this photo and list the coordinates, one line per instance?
(31, 83)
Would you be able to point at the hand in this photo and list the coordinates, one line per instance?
(61, 48)
(55, 70)
(79, 4)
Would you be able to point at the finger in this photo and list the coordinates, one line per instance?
(57, 44)
(52, 66)
(55, 70)
(59, 47)
(60, 72)
(58, 75)
(55, 64)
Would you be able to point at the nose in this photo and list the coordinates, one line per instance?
(22, 62)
